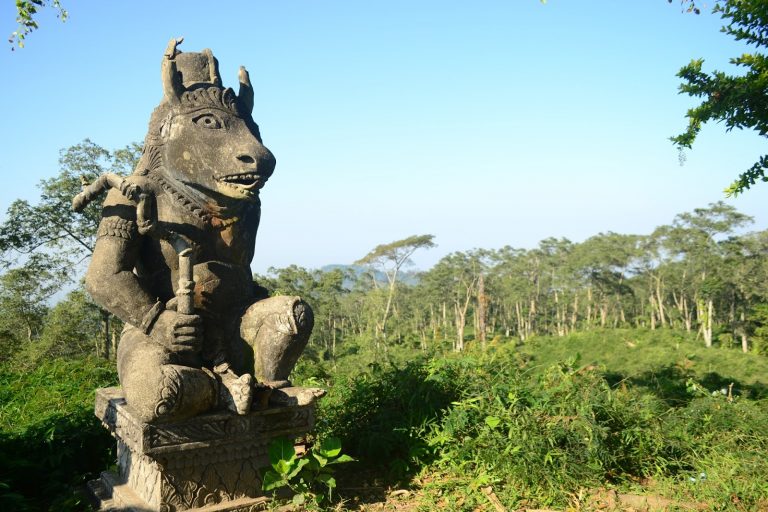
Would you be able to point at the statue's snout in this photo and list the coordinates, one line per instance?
(256, 159)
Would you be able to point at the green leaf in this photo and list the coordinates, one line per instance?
(320, 459)
(299, 499)
(341, 459)
(492, 421)
(313, 465)
(281, 449)
(308, 476)
(327, 480)
(272, 481)
(282, 467)
(300, 463)
(329, 447)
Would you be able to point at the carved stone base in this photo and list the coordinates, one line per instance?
(209, 463)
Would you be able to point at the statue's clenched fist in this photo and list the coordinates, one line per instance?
(178, 332)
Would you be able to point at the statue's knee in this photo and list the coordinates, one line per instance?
(154, 394)
(169, 393)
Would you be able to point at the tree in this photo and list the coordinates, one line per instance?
(76, 326)
(389, 259)
(739, 101)
(26, 11)
(49, 232)
(323, 290)
(603, 264)
(695, 252)
(457, 275)
(50, 226)
(24, 293)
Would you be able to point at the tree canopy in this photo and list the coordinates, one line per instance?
(737, 100)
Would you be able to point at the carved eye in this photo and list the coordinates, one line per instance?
(208, 121)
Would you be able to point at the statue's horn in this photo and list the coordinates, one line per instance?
(172, 86)
(245, 94)
(213, 68)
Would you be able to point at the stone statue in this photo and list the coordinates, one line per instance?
(172, 257)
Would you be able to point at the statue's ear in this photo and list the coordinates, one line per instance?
(245, 94)
(172, 86)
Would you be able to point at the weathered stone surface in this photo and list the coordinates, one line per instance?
(173, 253)
(210, 460)
(205, 355)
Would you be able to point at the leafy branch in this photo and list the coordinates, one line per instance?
(26, 11)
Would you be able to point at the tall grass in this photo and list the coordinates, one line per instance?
(544, 425)
(50, 441)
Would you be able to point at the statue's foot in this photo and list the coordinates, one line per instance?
(278, 384)
(295, 396)
(263, 391)
(236, 392)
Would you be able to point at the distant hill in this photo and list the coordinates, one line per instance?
(409, 278)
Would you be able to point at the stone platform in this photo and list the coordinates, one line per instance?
(210, 463)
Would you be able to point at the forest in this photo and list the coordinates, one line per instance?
(703, 273)
(623, 369)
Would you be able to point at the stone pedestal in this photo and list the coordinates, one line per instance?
(209, 463)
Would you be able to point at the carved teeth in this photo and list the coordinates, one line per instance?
(247, 181)
(245, 184)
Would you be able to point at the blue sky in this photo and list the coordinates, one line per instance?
(483, 123)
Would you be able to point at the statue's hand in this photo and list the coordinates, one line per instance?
(178, 332)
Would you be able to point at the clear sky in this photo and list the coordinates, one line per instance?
(484, 123)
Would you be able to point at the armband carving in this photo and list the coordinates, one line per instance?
(115, 226)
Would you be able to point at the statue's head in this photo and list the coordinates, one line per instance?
(202, 135)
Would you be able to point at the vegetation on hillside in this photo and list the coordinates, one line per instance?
(545, 377)
(556, 422)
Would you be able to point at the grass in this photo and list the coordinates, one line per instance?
(634, 351)
(50, 441)
(548, 424)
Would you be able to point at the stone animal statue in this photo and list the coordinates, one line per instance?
(173, 253)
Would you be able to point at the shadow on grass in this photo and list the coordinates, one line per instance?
(677, 386)
(379, 416)
(44, 467)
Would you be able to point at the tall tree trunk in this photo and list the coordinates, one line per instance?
(482, 310)
(460, 319)
(520, 321)
(433, 321)
(558, 322)
(660, 302)
(706, 311)
(445, 321)
(603, 313)
(575, 313)
(531, 319)
(743, 332)
(333, 339)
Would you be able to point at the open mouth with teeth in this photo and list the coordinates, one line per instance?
(245, 183)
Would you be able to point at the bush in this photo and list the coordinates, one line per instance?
(50, 441)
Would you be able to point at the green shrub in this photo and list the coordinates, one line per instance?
(50, 441)
(380, 415)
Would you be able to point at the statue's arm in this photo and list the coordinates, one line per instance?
(112, 283)
(110, 279)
